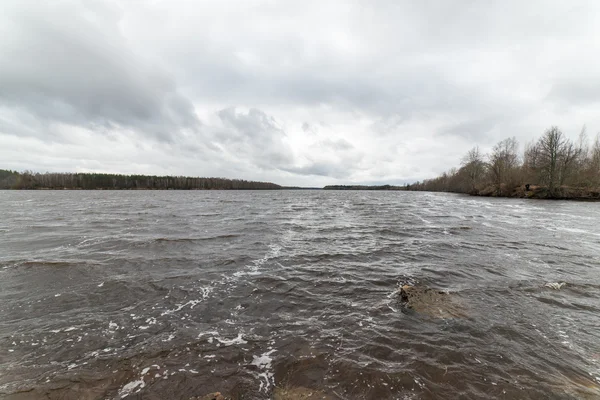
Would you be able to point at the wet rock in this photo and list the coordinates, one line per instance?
(300, 393)
(433, 302)
(412, 295)
(210, 396)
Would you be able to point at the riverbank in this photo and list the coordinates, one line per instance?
(533, 192)
(543, 193)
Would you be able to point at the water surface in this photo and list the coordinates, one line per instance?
(164, 294)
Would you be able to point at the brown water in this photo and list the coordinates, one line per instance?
(168, 295)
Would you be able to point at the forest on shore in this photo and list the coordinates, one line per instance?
(363, 187)
(94, 181)
(553, 167)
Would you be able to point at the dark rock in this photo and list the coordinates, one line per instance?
(433, 302)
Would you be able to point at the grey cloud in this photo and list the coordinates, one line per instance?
(254, 136)
(61, 66)
(576, 93)
(418, 52)
(475, 129)
(322, 169)
(339, 160)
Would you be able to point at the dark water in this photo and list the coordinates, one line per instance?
(167, 295)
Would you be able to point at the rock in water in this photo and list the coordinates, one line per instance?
(433, 302)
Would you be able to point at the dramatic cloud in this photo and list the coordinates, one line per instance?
(67, 62)
(304, 93)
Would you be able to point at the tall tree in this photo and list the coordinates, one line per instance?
(593, 166)
(556, 157)
(473, 167)
(503, 163)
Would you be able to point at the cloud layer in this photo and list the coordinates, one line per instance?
(300, 93)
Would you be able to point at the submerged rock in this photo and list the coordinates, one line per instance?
(433, 302)
(300, 393)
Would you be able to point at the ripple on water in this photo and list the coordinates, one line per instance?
(280, 295)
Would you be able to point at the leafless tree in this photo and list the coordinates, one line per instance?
(503, 163)
(473, 167)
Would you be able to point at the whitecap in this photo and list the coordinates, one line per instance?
(130, 387)
(264, 363)
(237, 340)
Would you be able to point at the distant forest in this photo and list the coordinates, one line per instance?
(30, 180)
(363, 187)
(551, 167)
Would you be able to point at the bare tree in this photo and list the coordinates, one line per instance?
(557, 156)
(593, 167)
(568, 161)
(474, 168)
(552, 161)
(503, 163)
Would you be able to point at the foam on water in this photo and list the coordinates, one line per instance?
(264, 364)
(229, 342)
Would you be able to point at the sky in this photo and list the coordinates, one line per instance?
(304, 93)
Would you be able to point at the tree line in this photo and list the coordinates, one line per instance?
(363, 187)
(552, 166)
(92, 181)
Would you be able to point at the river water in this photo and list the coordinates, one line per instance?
(173, 294)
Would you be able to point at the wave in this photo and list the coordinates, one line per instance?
(191, 240)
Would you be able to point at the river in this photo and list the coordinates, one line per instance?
(174, 294)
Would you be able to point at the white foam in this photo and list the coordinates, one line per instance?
(264, 363)
(171, 337)
(113, 326)
(72, 328)
(130, 387)
(419, 382)
(254, 268)
(191, 303)
(207, 333)
(237, 340)
(555, 285)
(101, 284)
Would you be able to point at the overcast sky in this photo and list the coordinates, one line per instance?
(294, 92)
